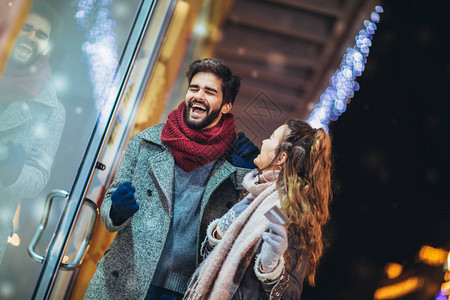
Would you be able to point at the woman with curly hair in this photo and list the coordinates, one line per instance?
(249, 257)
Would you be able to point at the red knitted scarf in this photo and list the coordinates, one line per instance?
(195, 148)
(25, 83)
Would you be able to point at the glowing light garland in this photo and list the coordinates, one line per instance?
(100, 48)
(333, 101)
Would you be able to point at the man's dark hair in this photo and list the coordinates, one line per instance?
(230, 81)
(47, 11)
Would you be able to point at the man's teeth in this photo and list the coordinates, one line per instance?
(196, 106)
(25, 47)
(26, 44)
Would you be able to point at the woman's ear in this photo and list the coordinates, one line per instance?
(281, 159)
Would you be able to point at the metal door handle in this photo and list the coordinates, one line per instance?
(44, 220)
(80, 255)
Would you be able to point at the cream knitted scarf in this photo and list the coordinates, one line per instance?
(220, 274)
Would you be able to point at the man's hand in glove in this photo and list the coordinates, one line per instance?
(12, 161)
(244, 152)
(124, 205)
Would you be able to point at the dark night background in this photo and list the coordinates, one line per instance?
(391, 157)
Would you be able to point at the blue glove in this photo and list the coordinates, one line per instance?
(124, 205)
(244, 152)
(12, 162)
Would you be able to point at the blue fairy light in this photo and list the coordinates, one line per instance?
(375, 17)
(441, 296)
(379, 9)
(333, 101)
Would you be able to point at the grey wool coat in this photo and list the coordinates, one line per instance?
(35, 124)
(128, 266)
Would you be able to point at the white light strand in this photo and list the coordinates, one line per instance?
(333, 101)
(93, 17)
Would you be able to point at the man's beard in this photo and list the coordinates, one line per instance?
(198, 125)
(19, 63)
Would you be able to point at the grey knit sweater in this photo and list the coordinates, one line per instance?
(178, 258)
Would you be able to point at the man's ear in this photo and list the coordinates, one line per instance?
(47, 50)
(226, 108)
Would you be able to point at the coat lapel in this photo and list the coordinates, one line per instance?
(162, 166)
(15, 114)
(221, 171)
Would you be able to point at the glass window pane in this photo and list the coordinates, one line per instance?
(52, 91)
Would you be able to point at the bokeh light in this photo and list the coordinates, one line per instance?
(333, 101)
(93, 17)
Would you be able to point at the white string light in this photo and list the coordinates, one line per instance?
(93, 17)
(333, 101)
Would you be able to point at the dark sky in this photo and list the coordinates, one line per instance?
(391, 156)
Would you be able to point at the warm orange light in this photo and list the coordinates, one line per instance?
(399, 289)
(433, 256)
(447, 266)
(445, 288)
(393, 270)
(447, 276)
(16, 217)
(14, 240)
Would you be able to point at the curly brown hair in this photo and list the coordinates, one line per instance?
(305, 186)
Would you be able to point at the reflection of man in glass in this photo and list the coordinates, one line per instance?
(31, 118)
